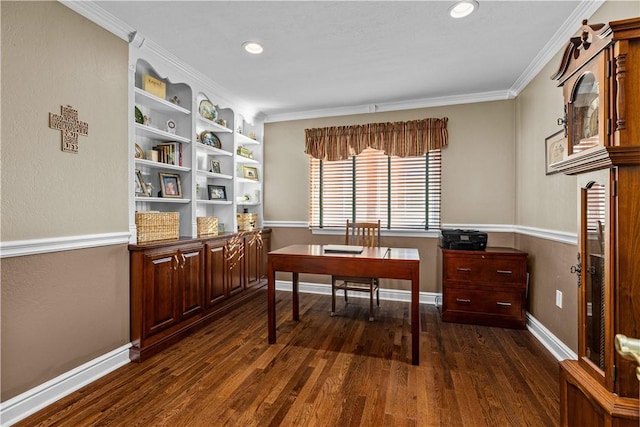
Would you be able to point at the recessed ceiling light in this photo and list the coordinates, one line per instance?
(463, 8)
(254, 48)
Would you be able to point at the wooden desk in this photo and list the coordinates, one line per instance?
(387, 263)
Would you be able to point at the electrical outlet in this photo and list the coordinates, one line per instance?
(558, 298)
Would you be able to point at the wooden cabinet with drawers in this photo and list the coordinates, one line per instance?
(177, 286)
(485, 287)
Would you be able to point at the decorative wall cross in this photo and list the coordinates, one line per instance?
(70, 126)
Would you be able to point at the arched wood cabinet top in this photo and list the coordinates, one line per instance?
(602, 132)
(589, 41)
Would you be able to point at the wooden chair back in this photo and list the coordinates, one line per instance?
(363, 234)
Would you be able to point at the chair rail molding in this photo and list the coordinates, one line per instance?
(57, 244)
(553, 235)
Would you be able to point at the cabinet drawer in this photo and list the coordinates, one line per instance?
(491, 302)
(501, 270)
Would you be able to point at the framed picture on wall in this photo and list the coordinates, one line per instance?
(170, 185)
(555, 151)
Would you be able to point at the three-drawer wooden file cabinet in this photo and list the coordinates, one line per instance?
(485, 287)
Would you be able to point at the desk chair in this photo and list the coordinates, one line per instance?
(360, 234)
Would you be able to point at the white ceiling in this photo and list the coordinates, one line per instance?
(324, 57)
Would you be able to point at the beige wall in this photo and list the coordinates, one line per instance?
(550, 201)
(62, 309)
(481, 152)
(494, 164)
(49, 193)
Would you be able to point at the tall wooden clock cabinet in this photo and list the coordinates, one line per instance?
(600, 79)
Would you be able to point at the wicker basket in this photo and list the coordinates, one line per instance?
(207, 226)
(247, 221)
(152, 226)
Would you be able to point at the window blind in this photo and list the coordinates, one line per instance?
(404, 193)
(596, 207)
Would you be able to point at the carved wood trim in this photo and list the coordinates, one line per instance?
(581, 49)
(621, 74)
(603, 157)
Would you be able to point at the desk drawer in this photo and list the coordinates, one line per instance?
(478, 269)
(491, 302)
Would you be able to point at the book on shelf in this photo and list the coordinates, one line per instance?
(170, 153)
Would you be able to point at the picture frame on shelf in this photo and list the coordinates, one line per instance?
(154, 86)
(217, 192)
(250, 172)
(170, 185)
(141, 189)
(214, 166)
(555, 151)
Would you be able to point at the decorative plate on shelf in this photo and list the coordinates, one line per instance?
(138, 115)
(208, 110)
(209, 138)
(139, 153)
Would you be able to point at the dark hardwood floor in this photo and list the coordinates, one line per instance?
(326, 371)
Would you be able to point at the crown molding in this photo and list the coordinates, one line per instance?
(558, 41)
(223, 96)
(471, 98)
(101, 17)
(585, 8)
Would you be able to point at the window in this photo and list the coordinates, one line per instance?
(403, 192)
(596, 207)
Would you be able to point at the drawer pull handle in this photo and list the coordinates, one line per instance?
(504, 304)
(465, 301)
(504, 271)
(463, 269)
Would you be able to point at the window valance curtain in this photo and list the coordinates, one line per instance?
(403, 139)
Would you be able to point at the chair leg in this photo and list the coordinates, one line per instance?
(371, 301)
(378, 296)
(333, 297)
(346, 299)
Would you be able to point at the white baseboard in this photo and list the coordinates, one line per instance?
(556, 347)
(31, 401)
(385, 294)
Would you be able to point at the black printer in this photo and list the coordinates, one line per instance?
(467, 240)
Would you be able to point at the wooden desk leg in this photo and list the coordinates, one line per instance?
(271, 303)
(296, 304)
(415, 321)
